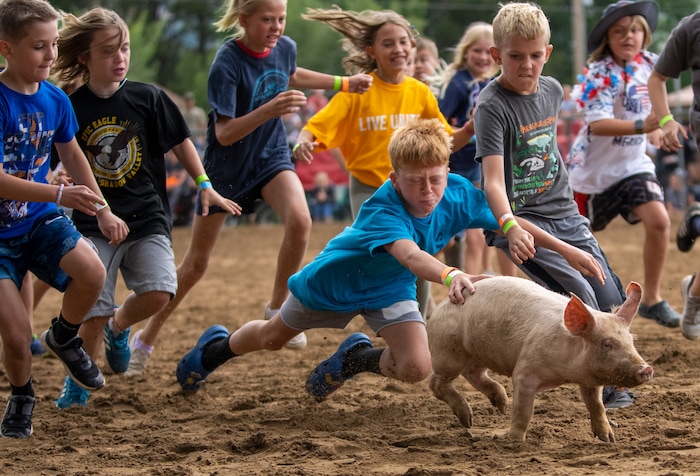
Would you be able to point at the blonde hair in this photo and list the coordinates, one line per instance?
(420, 143)
(234, 10)
(526, 20)
(603, 48)
(17, 15)
(427, 44)
(360, 30)
(474, 33)
(75, 39)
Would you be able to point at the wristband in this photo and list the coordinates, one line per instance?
(665, 119)
(296, 146)
(59, 194)
(504, 218)
(336, 83)
(201, 178)
(639, 126)
(445, 272)
(99, 206)
(449, 277)
(508, 226)
(345, 84)
(205, 184)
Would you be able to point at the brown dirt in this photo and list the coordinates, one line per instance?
(254, 417)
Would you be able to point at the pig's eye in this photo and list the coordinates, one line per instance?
(609, 344)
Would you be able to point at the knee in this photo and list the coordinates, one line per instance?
(415, 371)
(299, 223)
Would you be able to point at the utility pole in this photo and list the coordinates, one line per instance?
(578, 20)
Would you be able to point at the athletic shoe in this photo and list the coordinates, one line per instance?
(297, 342)
(685, 236)
(617, 397)
(328, 376)
(78, 364)
(72, 395)
(190, 372)
(690, 322)
(17, 422)
(661, 312)
(139, 358)
(36, 347)
(117, 350)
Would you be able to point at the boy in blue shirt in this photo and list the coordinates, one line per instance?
(370, 269)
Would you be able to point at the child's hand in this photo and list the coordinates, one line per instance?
(584, 263)
(209, 197)
(61, 177)
(521, 244)
(111, 226)
(464, 281)
(285, 102)
(669, 139)
(303, 151)
(359, 83)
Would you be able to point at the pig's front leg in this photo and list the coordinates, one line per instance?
(524, 390)
(444, 389)
(593, 398)
(480, 380)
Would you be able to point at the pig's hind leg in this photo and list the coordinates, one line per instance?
(494, 391)
(446, 368)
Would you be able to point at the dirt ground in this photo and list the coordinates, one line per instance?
(254, 417)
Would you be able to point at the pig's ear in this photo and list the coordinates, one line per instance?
(629, 307)
(577, 317)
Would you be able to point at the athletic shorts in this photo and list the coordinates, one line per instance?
(620, 199)
(299, 317)
(40, 251)
(146, 264)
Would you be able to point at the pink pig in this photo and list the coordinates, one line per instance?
(541, 339)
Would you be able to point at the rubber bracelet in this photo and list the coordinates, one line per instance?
(345, 84)
(445, 272)
(508, 226)
(639, 126)
(59, 194)
(296, 146)
(449, 277)
(205, 184)
(337, 83)
(201, 178)
(504, 218)
(665, 119)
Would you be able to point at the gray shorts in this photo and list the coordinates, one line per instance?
(147, 264)
(299, 317)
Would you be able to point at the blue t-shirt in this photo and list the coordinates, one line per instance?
(241, 81)
(354, 271)
(30, 124)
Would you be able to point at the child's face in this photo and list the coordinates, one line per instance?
(421, 188)
(391, 49)
(425, 65)
(109, 56)
(478, 58)
(263, 29)
(521, 63)
(411, 64)
(625, 38)
(30, 59)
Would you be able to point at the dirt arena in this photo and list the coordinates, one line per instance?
(254, 417)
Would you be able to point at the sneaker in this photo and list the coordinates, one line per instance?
(661, 312)
(617, 397)
(139, 358)
(685, 237)
(17, 422)
(690, 322)
(297, 342)
(36, 347)
(328, 377)
(117, 350)
(78, 364)
(72, 395)
(190, 372)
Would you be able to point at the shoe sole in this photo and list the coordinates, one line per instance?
(67, 369)
(297, 342)
(312, 386)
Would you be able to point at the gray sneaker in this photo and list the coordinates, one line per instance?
(139, 359)
(690, 322)
(296, 342)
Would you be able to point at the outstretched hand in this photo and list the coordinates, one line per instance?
(461, 282)
(584, 263)
(210, 197)
(359, 83)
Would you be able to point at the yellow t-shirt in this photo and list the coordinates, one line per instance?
(362, 124)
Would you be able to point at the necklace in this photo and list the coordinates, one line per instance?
(108, 95)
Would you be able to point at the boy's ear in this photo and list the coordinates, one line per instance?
(550, 47)
(496, 55)
(5, 48)
(392, 177)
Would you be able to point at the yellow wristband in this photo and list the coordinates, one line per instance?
(508, 226)
(296, 146)
(336, 83)
(201, 178)
(665, 119)
(445, 272)
(449, 277)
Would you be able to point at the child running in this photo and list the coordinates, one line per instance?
(247, 154)
(524, 174)
(34, 234)
(125, 128)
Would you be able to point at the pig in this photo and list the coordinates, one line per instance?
(541, 339)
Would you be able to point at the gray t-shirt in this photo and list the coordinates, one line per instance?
(682, 52)
(523, 129)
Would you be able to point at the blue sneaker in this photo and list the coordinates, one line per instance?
(327, 377)
(72, 395)
(190, 372)
(117, 350)
(36, 347)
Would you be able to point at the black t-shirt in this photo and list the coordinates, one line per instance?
(125, 138)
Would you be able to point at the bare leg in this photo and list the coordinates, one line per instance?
(657, 227)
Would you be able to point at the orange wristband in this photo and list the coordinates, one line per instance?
(345, 84)
(445, 272)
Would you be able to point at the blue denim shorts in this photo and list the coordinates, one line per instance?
(40, 251)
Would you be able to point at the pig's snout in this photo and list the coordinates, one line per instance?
(646, 372)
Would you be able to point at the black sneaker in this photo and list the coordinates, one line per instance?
(82, 369)
(17, 422)
(685, 237)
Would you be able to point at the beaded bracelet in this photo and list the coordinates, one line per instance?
(59, 194)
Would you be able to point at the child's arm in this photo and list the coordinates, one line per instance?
(187, 154)
(77, 165)
(462, 136)
(307, 79)
(659, 105)
(428, 267)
